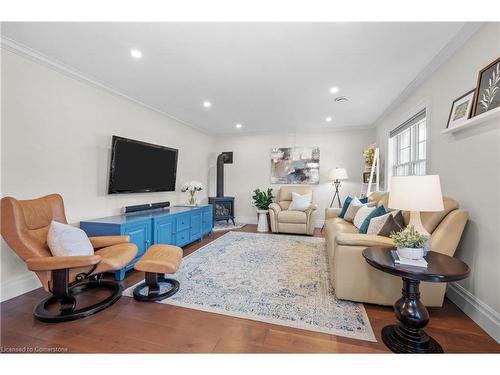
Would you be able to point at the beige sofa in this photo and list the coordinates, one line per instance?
(284, 220)
(353, 279)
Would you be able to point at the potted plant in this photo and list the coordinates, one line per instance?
(262, 200)
(369, 155)
(410, 243)
(192, 187)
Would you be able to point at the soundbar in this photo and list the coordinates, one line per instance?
(145, 207)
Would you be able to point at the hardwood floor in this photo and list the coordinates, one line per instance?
(129, 326)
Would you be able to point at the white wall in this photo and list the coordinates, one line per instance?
(56, 137)
(469, 166)
(251, 166)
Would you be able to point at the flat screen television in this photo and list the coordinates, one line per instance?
(140, 167)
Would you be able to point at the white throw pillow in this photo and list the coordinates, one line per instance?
(352, 210)
(361, 215)
(300, 202)
(66, 240)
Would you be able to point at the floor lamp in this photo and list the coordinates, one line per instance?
(336, 176)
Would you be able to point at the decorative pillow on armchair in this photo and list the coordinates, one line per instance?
(300, 202)
(66, 240)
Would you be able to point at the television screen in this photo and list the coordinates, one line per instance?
(138, 167)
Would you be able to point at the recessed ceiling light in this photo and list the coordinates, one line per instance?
(328, 119)
(135, 53)
(334, 90)
(341, 99)
(239, 126)
(207, 104)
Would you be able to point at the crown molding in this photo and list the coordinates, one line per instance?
(33, 55)
(312, 130)
(460, 38)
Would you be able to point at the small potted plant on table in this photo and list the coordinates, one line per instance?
(262, 200)
(410, 243)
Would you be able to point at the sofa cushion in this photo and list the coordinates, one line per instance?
(352, 210)
(380, 210)
(340, 226)
(345, 206)
(430, 220)
(383, 225)
(361, 215)
(297, 217)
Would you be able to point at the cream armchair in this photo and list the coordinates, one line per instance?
(355, 280)
(284, 220)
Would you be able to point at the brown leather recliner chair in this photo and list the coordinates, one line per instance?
(24, 226)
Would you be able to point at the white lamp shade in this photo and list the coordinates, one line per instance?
(337, 174)
(416, 193)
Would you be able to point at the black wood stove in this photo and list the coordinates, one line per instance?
(223, 207)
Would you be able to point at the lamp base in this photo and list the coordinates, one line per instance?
(417, 223)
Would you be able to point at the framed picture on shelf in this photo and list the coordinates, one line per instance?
(461, 109)
(366, 177)
(487, 95)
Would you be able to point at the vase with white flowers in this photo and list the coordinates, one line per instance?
(192, 187)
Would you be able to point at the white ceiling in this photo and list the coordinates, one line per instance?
(267, 76)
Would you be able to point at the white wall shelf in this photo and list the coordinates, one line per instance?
(473, 122)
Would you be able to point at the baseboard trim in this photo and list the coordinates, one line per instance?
(20, 285)
(253, 220)
(481, 313)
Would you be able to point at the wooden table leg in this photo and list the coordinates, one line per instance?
(409, 336)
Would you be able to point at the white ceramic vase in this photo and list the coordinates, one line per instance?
(262, 225)
(410, 253)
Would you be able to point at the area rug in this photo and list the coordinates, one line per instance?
(222, 225)
(278, 279)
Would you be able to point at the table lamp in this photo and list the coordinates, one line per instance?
(336, 176)
(416, 194)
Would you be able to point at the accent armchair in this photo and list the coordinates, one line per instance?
(284, 220)
(25, 224)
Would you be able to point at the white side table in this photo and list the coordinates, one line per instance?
(262, 225)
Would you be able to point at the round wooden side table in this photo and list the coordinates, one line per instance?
(409, 336)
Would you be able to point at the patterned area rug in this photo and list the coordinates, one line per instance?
(222, 225)
(277, 279)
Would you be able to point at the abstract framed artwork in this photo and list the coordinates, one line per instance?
(461, 109)
(295, 165)
(487, 95)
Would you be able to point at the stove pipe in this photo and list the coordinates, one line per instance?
(224, 158)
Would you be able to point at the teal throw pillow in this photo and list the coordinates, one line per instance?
(379, 211)
(345, 206)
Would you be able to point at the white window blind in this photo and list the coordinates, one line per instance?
(409, 146)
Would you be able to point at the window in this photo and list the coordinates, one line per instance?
(409, 143)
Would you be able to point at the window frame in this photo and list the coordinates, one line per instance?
(391, 149)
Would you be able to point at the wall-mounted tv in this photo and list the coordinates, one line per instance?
(140, 167)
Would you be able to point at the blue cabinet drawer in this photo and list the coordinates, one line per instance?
(182, 238)
(182, 222)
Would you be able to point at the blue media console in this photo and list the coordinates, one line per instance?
(173, 226)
